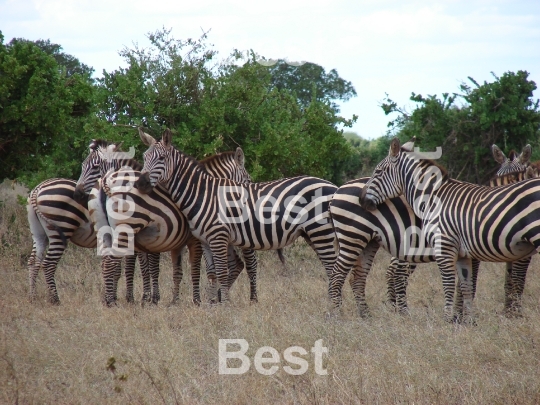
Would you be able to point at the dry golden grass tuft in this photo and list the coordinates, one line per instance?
(81, 353)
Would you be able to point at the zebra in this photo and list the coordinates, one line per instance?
(460, 220)
(158, 224)
(516, 167)
(259, 216)
(54, 219)
(514, 163)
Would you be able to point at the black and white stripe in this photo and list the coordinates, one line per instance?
(461, 221)
(157, 224)
(290, 207)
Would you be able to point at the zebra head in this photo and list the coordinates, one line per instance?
(157, 160)
(514, 162)
(386, 181)
(96, 164)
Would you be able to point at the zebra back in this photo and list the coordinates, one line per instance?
(228, 165)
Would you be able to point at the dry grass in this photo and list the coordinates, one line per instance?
(81, 352)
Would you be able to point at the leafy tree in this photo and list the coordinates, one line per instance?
(41, 113)
(501, 112)
(214, 105)
(311, 82)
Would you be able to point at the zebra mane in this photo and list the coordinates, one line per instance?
(193, 161)
(98, 144)
(512, 155)
(217, 156)
(432, 162)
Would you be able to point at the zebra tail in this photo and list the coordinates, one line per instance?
(32, 199)
(281, 257)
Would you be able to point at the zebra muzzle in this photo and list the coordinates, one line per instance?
(366, 202)
(143, 184)
(79, 195)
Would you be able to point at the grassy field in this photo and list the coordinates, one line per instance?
(83, 353)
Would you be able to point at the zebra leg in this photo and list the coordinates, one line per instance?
(464, 271)
(178, 273)
(195, 255)
(251, 267)
(517, 273)
(345, 261)
(236, 265)
(447, 269)
(50, 263)
(39, 245)
(403, 271)
(153, 264)
(458, 305)
(219, 252)
(111, 269)
(129, 273)
(212, 290)
(390, 282)
(360, 272)
(145, 273)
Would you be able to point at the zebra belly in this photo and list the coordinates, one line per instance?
(518, 250)
(153, 239)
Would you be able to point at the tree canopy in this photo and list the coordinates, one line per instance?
(213, 105)
(42, 110)
(467, 123)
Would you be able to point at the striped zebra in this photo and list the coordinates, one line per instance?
(51, 231)
(461, 221)
(516, 167)
(514, 163)
(156, 223)
(56, 218)
(259, 216)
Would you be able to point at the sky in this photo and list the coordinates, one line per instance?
(382, 47)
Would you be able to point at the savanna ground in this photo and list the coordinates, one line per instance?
(83, 353)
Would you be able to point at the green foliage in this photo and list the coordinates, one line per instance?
(366, 154)
(42, 112)
(311, 82)
(502, 112)
(213, 106)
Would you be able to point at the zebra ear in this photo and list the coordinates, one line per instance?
(147, 139)
(239, 157)
(498, 154)
(166, 139)
(93, 145)
(525, 155)
(395, 148)
(117, 146)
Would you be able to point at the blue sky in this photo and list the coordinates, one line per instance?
(425, 47)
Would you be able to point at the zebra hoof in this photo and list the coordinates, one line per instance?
(197, 302)
(254, 301)
(403, 311)
(391, 304)
(513, 313)
(54, 301)
(110, 303)
(146, 298)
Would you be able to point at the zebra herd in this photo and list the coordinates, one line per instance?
(409, 207)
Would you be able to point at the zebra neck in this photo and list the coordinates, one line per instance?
(190, 185)
(116, 164)
(422, 182)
